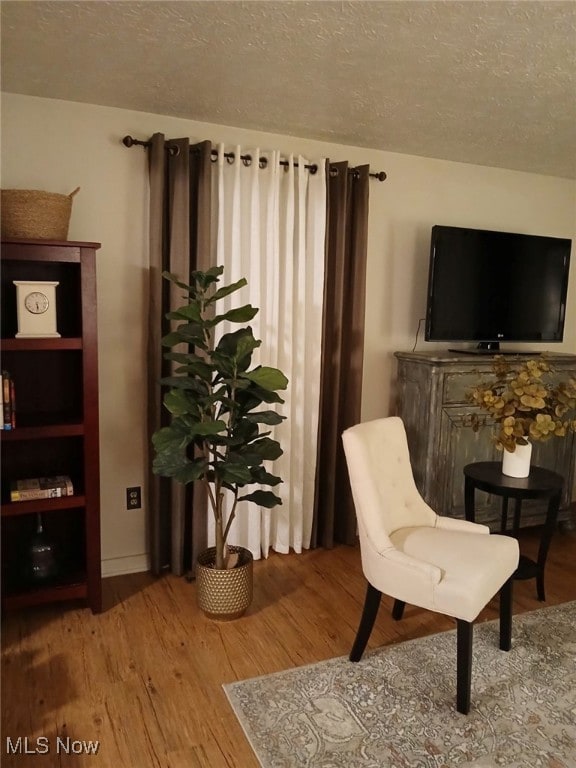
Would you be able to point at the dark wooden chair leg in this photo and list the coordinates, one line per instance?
(464, 635)
(371, 605)
(398, 609)
(506, 615)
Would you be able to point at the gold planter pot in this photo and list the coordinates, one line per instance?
(224, 594)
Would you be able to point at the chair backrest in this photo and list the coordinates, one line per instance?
(383, 487)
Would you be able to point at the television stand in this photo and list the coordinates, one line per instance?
(430, 396)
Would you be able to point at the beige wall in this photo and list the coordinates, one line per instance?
(56, 146)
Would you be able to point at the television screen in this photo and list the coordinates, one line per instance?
(492, 287)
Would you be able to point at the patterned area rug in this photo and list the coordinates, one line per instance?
(396, 707)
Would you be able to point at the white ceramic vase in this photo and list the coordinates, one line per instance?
(517, 464)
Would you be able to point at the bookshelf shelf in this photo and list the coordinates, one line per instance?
(43, 506)
(73, 587)
(56, 427)
(43, 431)
(31, 345)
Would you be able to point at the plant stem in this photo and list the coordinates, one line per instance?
(219, 527)
(231, 516)
(210, 495)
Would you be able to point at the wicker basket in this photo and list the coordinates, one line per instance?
(30, 213)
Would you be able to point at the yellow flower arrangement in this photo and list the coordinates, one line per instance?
(525, 401)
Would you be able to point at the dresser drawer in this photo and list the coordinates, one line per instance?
(457, 384)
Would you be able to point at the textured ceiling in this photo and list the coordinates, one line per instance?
(492, 83)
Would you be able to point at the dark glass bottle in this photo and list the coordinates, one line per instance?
(41, 561)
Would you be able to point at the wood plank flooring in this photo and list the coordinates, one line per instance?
(144, 678)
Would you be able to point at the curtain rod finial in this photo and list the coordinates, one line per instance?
(128, 141)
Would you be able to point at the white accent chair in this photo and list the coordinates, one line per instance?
(410, 553)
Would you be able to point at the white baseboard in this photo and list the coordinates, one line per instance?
(116, 566)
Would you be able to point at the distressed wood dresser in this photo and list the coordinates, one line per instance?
(430, 395)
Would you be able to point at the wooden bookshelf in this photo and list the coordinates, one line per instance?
(56, 430)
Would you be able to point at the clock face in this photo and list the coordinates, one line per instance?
(36, 302)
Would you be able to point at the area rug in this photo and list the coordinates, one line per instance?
(396, 707)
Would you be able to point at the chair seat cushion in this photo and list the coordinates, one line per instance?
(474, 566)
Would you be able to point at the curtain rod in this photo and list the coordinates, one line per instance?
(128, 141)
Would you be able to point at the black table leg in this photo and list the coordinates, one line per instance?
(549, 528)
(469, 511)
(517, 513)
(504, 517)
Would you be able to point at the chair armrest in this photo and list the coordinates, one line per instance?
(400, 576)
(395, 566)
(455, 524)
(412, 566)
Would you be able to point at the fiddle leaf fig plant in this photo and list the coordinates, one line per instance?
(525, 401)
(215, 400)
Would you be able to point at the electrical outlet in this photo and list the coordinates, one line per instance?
(133, 498)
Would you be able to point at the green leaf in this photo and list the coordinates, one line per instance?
(239, 315)
(227, 290)
(265, 417)
(270, 450)
(190, 311)
(233, 472)
(177, 402)
(234, 350)
(185, 334)
(265, 448)
(255, 396)
(171, 439)
(183, 357)
(200, 369)
(186, 382)
(191, 331)
(246, 344)
(262, 498)
(206, 428)
(261, 476)
(193, 470)
(270, 379)
(252, 459)
(168, 464)
(244, 430)
(171, 339)
(235, 383)
(178, 466)
(206, 278)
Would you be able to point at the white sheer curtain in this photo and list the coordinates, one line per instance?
(271, 225)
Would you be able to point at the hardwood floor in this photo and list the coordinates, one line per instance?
(144, 678)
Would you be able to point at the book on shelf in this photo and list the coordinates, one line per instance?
(12, 404)
(41, 488)
(8, 401)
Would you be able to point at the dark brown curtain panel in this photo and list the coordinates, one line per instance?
(342, 349)
(180, 195)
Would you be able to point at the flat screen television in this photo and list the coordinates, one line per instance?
(490, 287)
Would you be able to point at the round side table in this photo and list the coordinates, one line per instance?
(540, 484)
